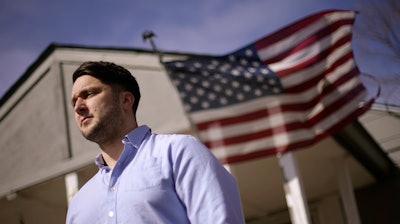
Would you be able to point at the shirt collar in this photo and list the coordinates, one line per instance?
(99, 161)
(134, 137)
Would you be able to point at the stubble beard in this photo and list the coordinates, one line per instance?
(106, 128)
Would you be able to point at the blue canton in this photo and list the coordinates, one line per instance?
(206, 83)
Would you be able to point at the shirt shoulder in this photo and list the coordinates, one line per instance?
(182, 143)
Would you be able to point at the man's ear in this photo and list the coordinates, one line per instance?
(127, 100)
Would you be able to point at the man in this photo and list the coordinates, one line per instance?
(143, 177)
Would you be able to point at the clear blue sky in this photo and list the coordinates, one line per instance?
(206, 26)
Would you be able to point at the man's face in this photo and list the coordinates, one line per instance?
(97, 109)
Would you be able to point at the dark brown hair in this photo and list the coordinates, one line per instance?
(110, 74)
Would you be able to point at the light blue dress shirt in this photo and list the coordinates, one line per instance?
(159, 179)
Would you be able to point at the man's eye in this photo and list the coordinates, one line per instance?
(88, 94)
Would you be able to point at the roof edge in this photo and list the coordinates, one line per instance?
(359, 143)
(53, 46)
(27, 73)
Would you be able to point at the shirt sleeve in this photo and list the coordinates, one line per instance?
(208, 191)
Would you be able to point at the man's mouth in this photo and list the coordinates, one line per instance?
(84, 120)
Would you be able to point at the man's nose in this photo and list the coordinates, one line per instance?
(80, 106)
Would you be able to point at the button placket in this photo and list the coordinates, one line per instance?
(112, 209)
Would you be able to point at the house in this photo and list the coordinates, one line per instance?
(43, 154)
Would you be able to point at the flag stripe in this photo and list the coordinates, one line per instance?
(284, 67)
(312, 59)
(299, 87)
(274, 149)
(290, 126)
(325, 35)
(289, 37)
(292, 104)
(270, 117)
(285, 141)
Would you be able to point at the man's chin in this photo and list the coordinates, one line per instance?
(89, 135)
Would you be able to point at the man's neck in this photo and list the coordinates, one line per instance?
(112, 150)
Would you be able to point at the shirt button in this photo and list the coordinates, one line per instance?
(111, 213)
(113, 189)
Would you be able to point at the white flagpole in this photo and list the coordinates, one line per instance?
(295, 197)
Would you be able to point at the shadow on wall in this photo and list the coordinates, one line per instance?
(380, 203)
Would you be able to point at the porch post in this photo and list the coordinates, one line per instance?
(71, 185)
(346, 192)
(295, 197)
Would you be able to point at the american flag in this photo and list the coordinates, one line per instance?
(283, 92)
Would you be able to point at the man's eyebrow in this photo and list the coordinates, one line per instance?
(85, 91)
